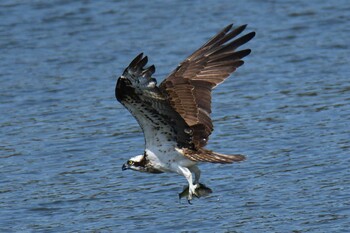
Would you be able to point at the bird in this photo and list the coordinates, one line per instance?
(175, 115)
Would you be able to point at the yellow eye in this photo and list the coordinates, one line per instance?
(130, 162)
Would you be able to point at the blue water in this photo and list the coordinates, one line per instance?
(64, 137)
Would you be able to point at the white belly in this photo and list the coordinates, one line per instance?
(167, 159)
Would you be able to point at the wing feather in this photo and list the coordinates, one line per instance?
(137, 91)
(188, 87)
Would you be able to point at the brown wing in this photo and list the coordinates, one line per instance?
(188, 87)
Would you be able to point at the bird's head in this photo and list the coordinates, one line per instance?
(136, 163)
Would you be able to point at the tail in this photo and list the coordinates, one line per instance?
(204, 155)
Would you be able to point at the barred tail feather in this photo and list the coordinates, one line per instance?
(228, 158)
(204, 155)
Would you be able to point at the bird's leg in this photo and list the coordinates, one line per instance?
(192, 187)
(197, 173)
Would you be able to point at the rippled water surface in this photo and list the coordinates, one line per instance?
(64, 136)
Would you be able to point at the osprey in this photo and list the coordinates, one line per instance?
(175, 116)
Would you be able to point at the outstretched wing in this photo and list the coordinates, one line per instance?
(188, 87)
(137, 91)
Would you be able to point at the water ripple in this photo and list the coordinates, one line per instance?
(65, 137)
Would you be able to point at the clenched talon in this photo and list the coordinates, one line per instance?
(200, 190)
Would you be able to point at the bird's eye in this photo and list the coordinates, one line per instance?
(130, 162)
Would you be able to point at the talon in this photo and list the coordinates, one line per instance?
(198, 190)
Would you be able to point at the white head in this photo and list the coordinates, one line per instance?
(140, 163)
(136, 163)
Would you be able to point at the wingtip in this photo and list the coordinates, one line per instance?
(136, 60)
(143, 62)
(152, 69)
(253, 34)
(247, 37)
(228, 27)
(243, 27)
(149, 71)
(139, 56)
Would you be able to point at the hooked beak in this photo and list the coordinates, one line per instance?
(125, 166)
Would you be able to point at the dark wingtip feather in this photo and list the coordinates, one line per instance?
(227, 28)
(149, 71)
(240, 29)
(136, 60)
(143, 62)
(244, 26)
(244, 39)
(229, 35)
(239, 63)
(252, 35)
(243, 53)
(234, 44)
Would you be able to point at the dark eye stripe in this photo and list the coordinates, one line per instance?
(137, 164)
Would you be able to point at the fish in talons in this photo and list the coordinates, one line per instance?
(200, 191)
